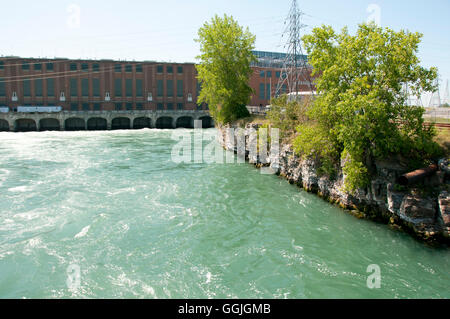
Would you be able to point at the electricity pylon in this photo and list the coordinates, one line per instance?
(295, 70)
(435, 99)
(446, 98)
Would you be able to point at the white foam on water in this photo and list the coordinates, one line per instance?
(83, 232)
(19, 189)
(208, 277)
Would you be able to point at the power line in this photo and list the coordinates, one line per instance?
(295, 71)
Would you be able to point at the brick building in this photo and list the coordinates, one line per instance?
(117, 85)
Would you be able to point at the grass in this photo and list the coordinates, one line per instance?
(437, 120)
(443, 139)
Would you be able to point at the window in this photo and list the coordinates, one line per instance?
(139, 68)
(284, 89)
(129, 87)
(268, 89)
(269, 74)
(180, 88)
(139, 106)
(170, 88)
(2, 88)
(86, 107)
(169, 69)
(73, 87)
(84, 67)
(85, 87)
(96, 87)
(26, 87)
(277, 74)
(73, 67)
(129, 106)
(38, 87)
(170, 106)
(262, 94)
(74, 107)
(25, 66)
(118, 68)
(160, 106)
(159, 69)
(261, 74)
(50, 87)
(97, 107)
(37, 66)
(139, 91)
(118, 106)
(128, 68)
(118, 87)
(95, 67)
(179, 106)
(49, 66)
(180, 70)
(160, 89)
(2, 65)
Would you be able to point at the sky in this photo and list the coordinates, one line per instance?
(165, 30)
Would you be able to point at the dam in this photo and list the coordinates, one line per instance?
(103, 120)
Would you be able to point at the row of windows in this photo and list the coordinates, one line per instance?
(38, 86)
(169, 69)
(169, 106)
(124, 106)
(95, 67)
(37, 66)
(265, 91)
(169, 88)
(269, 74)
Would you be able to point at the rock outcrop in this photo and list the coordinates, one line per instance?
(422, 214)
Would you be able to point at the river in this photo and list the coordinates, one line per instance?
(110, 215)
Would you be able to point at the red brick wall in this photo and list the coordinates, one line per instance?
(13, 74)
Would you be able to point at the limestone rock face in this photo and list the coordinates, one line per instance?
(444, 213)
(425, 216)
(310, 178)
(394, 199)
(415, 209)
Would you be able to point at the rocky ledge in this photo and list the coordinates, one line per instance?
(423, 211)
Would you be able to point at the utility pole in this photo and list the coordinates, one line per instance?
(435, 100)
(295, 66)
(446, 99)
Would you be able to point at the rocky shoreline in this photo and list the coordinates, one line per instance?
(423, 211)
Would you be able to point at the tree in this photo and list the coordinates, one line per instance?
(361, 108)
(224, 69)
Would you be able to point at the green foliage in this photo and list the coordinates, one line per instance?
(360, 108)
(224, 69)
(315, 141)
(287, 115)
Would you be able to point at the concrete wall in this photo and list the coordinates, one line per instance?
(24, 121)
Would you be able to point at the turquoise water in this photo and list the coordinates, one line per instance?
(139, 225)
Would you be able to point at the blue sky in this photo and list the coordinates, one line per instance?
(164, 30)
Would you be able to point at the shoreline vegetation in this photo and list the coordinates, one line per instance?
(355, 136)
